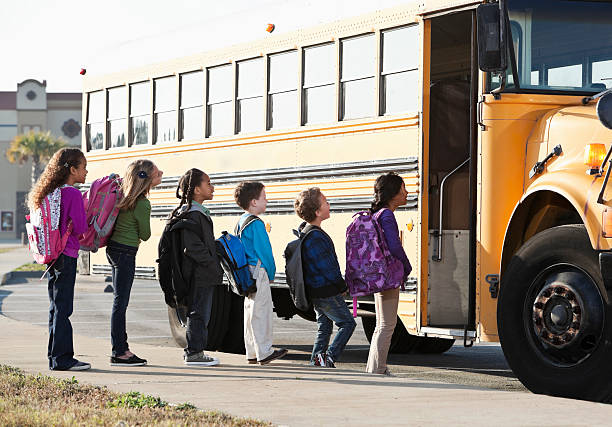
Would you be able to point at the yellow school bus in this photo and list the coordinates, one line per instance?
(496, 116)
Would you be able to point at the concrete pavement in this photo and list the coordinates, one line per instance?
(293, 394)
(15, 256)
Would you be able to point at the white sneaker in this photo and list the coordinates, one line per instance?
(201, 359)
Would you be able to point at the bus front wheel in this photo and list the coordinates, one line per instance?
(552, 318)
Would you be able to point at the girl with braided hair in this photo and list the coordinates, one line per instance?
(200, 263)
(132, 227)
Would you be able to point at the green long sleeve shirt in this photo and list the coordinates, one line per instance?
(132, 226)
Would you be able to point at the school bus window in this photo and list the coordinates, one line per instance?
(140, 112)
(399, 72)
(282, 92)
(602, 73)
(358, 73)
(192, 109)
(250, 101)
(117, 117)
(96, 113)
(319, 90)
(219, 104)
(165, 109)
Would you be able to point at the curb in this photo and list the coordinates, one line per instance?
(5, 277)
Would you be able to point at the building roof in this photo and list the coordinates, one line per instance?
(8, 100)
(64, 96)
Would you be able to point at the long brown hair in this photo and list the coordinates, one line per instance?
(55, 175)
(385, 189)
(136, 183)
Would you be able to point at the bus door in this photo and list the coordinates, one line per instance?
(451, 176)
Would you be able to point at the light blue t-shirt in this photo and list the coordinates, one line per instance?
(257, 245)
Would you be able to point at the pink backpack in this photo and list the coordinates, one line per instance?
(46, 243)
(101, 209)
(370, 267)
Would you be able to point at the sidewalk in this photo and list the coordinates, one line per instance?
(12, 259)
(288, 393)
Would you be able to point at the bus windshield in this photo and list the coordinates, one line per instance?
(560, 46)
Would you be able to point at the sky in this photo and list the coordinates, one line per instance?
(53, 39)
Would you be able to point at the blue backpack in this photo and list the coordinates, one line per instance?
(234, 260)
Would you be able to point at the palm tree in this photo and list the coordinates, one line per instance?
(37, 146)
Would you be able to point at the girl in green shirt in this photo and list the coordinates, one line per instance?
(132, 227)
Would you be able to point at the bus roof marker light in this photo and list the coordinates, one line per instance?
(83, 71)
(270, 28)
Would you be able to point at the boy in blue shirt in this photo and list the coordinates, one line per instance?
(324, 283)
(258, 307)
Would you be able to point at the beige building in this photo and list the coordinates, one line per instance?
(31, 107)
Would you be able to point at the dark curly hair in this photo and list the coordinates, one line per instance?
(55, 174)
(307, 203)
(247, 191)
(385, 189)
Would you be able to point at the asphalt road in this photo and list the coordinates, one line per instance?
(25, 299)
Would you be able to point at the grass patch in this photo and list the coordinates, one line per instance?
(31, 266)
(5, 250)
(37, 400)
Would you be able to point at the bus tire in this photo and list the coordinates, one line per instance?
(219, 318)
(234, 337)
(432, 345)
(402, 341)
(553, 321)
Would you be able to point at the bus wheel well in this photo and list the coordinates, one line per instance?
(538, 212)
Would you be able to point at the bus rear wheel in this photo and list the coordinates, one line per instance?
(552, 318)
(402, 341)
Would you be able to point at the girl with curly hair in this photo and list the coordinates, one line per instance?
(132, 227)
(67, 167)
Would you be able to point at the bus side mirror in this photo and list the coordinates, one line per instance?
(491, 38)
(604, 110)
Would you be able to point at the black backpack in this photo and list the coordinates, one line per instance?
(175, 286)
(293, 268)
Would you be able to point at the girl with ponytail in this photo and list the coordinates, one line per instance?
(132, 227)
(200, 262)
(389, 194)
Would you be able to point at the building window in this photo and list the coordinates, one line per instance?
(7, 221)
(140, 112)
(96, 114)
(250, 99)
(117, 117)
(219, 104)
(358, 81)
(319, 90)
(165, 109)
(399, 73)
(283, 90)
(192, 109)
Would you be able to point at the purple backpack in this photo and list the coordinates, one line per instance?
(370, 267)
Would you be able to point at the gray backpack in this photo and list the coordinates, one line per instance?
(293, 268)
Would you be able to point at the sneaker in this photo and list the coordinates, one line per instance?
(200, 359)
(276, 354)
(79, 366)
(329, 362)
(133, 360)
(319, 359)
(252, 361)
(387, 373)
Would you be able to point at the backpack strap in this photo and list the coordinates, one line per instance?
(250, 219)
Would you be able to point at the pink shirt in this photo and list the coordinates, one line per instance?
(72, 208)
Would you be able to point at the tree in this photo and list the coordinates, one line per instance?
(36, 146)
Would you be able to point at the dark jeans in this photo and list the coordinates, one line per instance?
(122, 259)
(198, 316)
(62, 275)
(332, 309)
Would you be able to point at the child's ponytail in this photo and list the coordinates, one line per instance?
(186, 186)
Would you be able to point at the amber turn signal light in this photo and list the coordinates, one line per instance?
(594, 155)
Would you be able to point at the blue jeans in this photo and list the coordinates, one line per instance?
(332, 309)
(198, 316)
(62, 275)
(122, 259)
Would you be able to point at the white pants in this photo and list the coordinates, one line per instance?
(258, 309)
